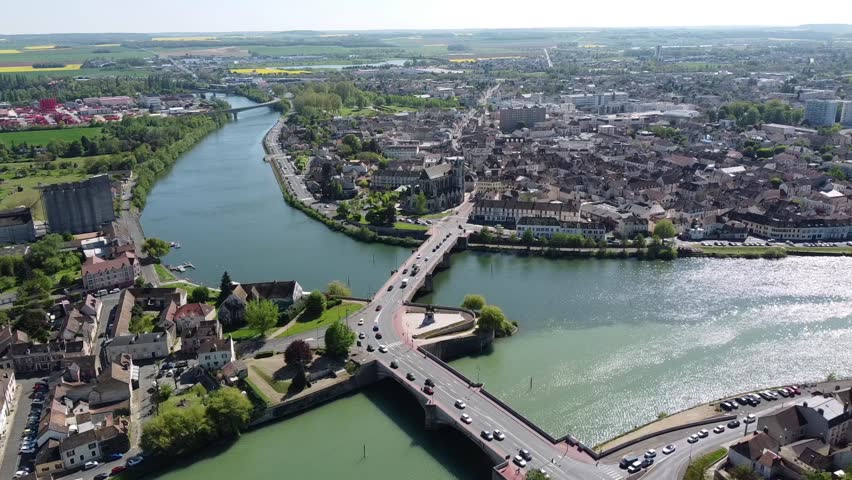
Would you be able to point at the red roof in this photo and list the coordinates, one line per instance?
(193, 310)
(97, 264)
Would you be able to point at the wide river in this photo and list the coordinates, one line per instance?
(608, 344)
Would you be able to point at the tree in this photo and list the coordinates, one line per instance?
(665, 229)
(528, 238)
(338, 338)
(229, 411)
(155, 247)
(177, 432)
(199, 294)
(224, 288)
(261, 315)
(343, 210)
(420, 204)
(338, 289)
(742, 472)
(315, 304)
(639, 241)
(491, 318)
(353, 142)
(837, 173)
(298, 353)
(473, 302)
(535, 475)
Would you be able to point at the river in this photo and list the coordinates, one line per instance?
(608, 344)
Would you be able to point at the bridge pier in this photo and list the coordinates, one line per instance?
(433, 413)
(427, 284)
(235, 116)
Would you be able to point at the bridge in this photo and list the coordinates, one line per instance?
(571, 461)
(236, 110)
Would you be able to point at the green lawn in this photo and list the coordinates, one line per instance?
(29, 195)
(409, 226)
(280, 386)
(43, 137)
(830, 250)
(357, 112)
(696, 469)
(164, 273)
(327, 318)
(245, 333)
(190, 286)
(189, 399)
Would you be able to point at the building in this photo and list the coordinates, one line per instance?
(442, 184)
(795, 228)
(595, 101)
(33, 358)
(820, 113)
(78, 207)
(846, 113)
(233, 309)
(8, 387)
(393, 179)
(509, 212)
(117, 272)
(402, 151)
(47, 104)
(145, 346)
(16, 225)
(758, 453)
(513, 118)
(548, 226)
(215, 354)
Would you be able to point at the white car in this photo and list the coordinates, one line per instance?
(499, 435)
(669, 449)
(703, 433)
(466, 418)
(487, 435)
(692, 438)
(460, 405)
(750, 418)
(719, 429)
(383, 349)
(519, 461)
(651, 453)
(90, 465)
(360, 321)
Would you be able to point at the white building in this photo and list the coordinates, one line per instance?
(143, 346)
(820, 113)
(214, 354)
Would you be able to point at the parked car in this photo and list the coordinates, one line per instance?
(733, 424)
(726, 406)
(118, 469)
(383, 349)
(114, 456)
(378, 335)
(362, 335)
(133, 461)
(90, 465)
(371, 348)
(378, 307)
(361, 320)
(517, 460)
(102, 476)
(719, 429)
(692, 438)
(669, 449)
(750, 418)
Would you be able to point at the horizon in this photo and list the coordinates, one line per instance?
(261, 16)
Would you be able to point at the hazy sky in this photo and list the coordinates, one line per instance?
(63, 16)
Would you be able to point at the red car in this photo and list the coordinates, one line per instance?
(428, 390)
(118, 469)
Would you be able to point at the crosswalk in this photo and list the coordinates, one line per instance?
(393, 344)
(610, 471)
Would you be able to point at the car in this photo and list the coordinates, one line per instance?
(734, 405)
(378, 335)
(394, 365)
(498, 435)
(133, 461)
(719, 429)
(27, 451)
(647, 462)
(651, 453)
(118, 469)
(525, 454)
(703, 433)
(428, 390)
(371, 348)
(460, 404)
(418, 256)
(627, 461)
(669, 449)
(383, 349)
(360, 322)
(733, 424)
(379, 308)
(409, 376)
(114, 456)
(726, 406)
(102, 476)
(466, 418)
(90, 465)
(114, 290)
(376, 328)
(634, 467)
(692, 438)
(750, 418)
(362, 336)
(517, 460)
(390, 287)
(794, 388)
(426, 259)
(429, 382)
(486, 435)
(404, 271)
(783, 392)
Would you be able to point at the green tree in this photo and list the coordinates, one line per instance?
(742, 472)
(338, 289)
(665, 229)
(200, 294)
(528, 238)
(343, 210)
(155, 247)
(491, 318)
(315, 304)
(353, 142)
(177, 432)
(420, 204)
(298, 353)
(338, 338)
(837, 173)
(224, 288)
(535, 475)
(473, 302)
(229, 411)
(639, 241)
(261, 315)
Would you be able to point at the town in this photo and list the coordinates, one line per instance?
(654, 152)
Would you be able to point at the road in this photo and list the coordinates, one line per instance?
(11, 442)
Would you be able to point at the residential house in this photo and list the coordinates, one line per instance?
(76, 450)
(145, 346)
(117, 272)
(8, 388)
(283, 293)
(48, 460)
(757, 452)
(509, 212)
(205, 331)
(190, 315)
(215, 354)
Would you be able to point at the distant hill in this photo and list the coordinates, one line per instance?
(829, 27)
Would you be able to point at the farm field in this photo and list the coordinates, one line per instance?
(43, 137)
(10, 197)
(268, 71)
(17, 55)
(29, 68)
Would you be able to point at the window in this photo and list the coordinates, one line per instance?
(71, 461)
(92, 446)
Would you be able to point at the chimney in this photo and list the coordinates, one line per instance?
(805, 404)
(820, 411)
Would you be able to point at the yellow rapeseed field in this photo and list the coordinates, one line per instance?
(267, 71)
(29, 68)
(481, 59)
(2, 52)
(40, 47)
(182, 39)
(107, 45)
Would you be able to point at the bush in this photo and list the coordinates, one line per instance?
(263, 354)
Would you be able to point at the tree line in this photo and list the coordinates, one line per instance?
(19, 89)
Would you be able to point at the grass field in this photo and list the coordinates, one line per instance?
(409, 226)
(163, 273)
(267, 71)
(244, 333)
(29, 195)
(327, 318)
(280, 386)
(29, 68)
(43, 137)
(182, 39)
(69, 55)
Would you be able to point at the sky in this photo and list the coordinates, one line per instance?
(93, 16)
